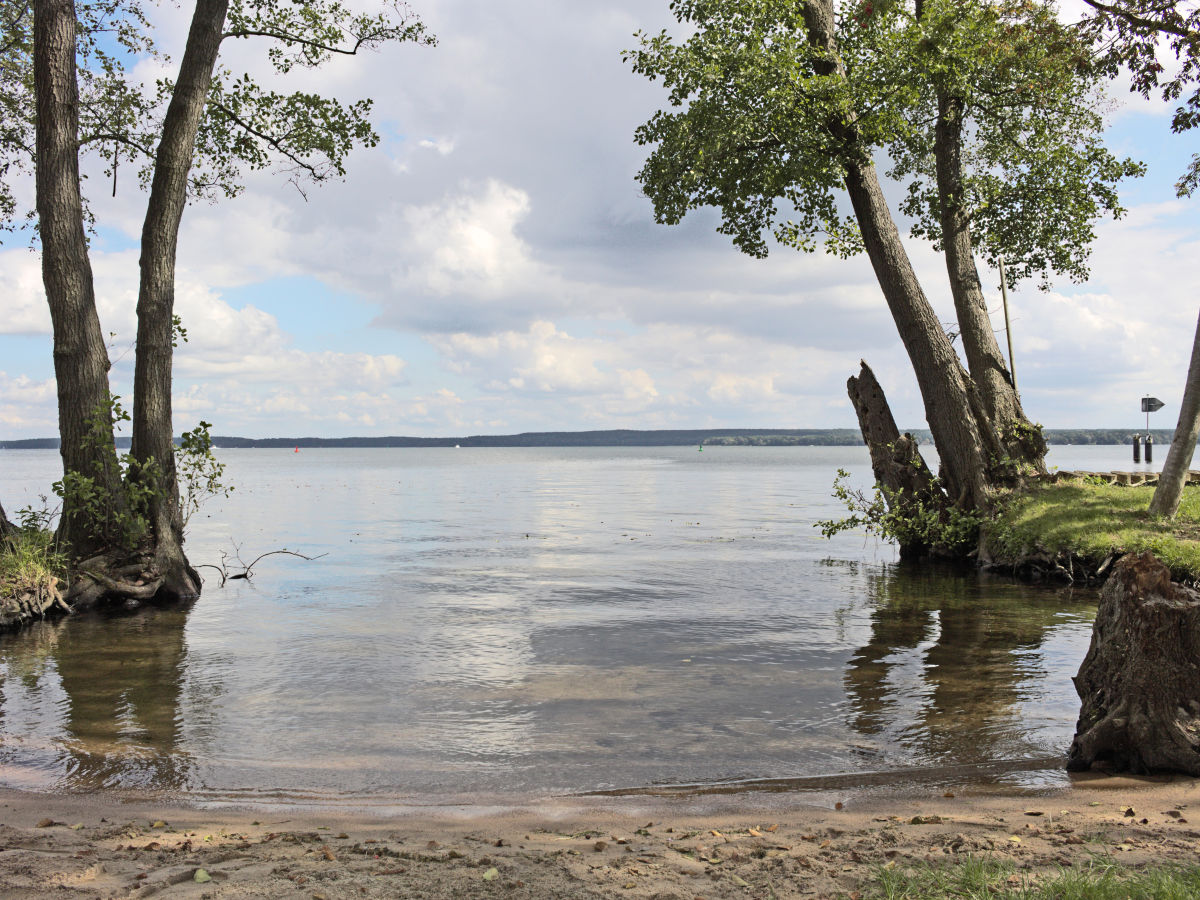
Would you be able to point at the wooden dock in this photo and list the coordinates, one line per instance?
(1115, 477)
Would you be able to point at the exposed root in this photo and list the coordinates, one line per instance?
(105, 585)
(1065, 566)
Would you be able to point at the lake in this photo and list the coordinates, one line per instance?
(517, 623)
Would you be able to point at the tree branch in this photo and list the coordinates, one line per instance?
(1162, 26)
(295, 39)
(11, 28)
(272, 141)
(102, 137)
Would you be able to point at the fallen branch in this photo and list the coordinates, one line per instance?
(247, 568)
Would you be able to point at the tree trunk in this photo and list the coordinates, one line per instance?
(1140, 680)
(6, 527)
(962, 440)
(957, 432)
(80, 359)
(1167, 495)
(153, 428)
(895, 460)
(1022, 441)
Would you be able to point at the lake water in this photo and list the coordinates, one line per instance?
(513, 623)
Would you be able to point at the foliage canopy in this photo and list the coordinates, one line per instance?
(247, 125)
(751, 128)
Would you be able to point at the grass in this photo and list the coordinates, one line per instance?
(977, 879)
(29, 558)
(1094, 520)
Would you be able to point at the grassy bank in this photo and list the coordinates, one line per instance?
(32, 570)
(1091, 521)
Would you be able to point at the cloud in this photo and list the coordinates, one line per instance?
(25, 310)
(467, 245)
(443, 145)
(27, 406)
(492, 266)
(660, 376)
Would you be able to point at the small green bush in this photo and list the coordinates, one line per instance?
(946, 530)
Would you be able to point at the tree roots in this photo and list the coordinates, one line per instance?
(31, 601)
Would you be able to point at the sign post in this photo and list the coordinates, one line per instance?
(1149, 405)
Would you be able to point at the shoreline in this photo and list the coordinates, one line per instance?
(808, 845)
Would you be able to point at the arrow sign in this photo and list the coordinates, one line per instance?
(1151, 404)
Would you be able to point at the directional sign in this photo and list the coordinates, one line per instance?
(1151, 404)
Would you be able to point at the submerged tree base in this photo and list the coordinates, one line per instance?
(34, 582)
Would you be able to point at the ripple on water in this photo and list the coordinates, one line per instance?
(536, 621)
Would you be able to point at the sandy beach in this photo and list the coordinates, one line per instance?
(740, 845)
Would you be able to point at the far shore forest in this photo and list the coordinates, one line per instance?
(676, 437)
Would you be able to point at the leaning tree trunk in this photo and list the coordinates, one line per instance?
(1167, 495)
(962, 439)
(1140, 680)
(80, 359)
(895, 460)
(1023, 442)
(153, 428)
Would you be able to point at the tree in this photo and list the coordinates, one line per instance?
(778, 106)
(1174, 476)
(772, 116)
(214, 127)
(1132, 31)
(81, 363)
(313, 133)
(1028, 185)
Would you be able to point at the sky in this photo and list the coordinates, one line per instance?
(491, 267)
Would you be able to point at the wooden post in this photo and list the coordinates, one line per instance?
(1012, 365)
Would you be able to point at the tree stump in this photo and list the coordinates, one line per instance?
(895, 459)
(1140, 681)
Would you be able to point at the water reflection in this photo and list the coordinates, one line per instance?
(534, 621)
(957, 661)
(95, 702)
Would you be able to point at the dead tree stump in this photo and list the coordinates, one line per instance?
(897, 463)
(1140, 681)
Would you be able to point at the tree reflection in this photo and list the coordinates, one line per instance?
(102, 697)
(950, 658)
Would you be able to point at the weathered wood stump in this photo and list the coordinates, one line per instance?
(897, 463)
(1140, 681)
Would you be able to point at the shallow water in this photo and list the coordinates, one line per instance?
(520, 622)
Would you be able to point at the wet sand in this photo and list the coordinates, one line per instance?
(670, 848)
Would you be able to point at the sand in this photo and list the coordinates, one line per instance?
(738, 845)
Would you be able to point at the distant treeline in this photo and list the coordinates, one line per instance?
(773, 437)
(841, 437)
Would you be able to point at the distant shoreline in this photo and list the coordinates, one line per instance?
(770, 437)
